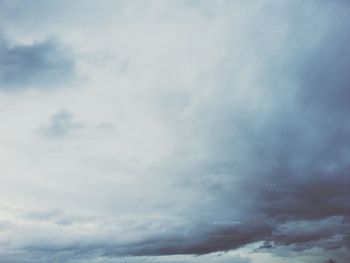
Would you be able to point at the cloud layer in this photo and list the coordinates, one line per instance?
(196, 131)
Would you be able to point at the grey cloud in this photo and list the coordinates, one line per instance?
(293, 159)
(281, 172)
(51, 216)
(303, 148)
(290, 161)
(199, 239)
(312, 198)
(327, 233)
(60, 124)
(43, 64)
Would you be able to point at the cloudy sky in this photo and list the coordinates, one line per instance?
(174, 131)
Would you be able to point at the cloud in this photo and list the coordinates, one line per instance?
(199, 239)
(227, 131)
(42, 64)
(60, 124)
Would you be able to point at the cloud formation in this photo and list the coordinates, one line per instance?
(60, 124)
(44, 64)
(225, 136)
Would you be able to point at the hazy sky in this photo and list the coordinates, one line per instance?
(174, 131)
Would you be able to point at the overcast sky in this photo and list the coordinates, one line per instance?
(174, 131)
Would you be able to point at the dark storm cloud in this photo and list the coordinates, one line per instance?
(329, 234)
(312, 197)
(44, 64)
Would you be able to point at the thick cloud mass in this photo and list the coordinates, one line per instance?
(198, 132)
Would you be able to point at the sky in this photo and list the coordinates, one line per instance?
(174, 131)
